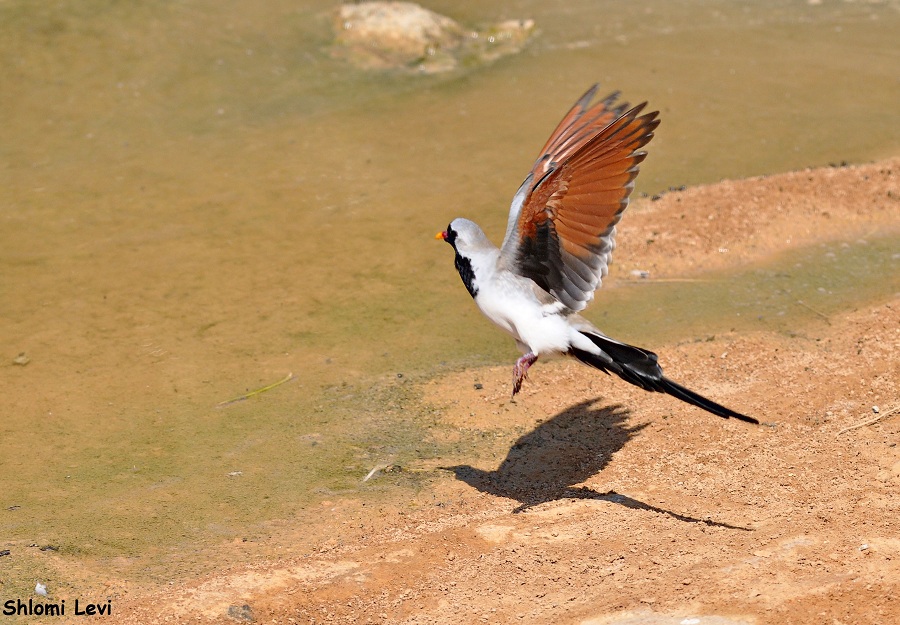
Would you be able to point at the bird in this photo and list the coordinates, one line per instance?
(559, 240)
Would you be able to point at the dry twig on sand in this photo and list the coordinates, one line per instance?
(875, 419)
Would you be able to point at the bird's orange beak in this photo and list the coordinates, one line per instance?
(441, 235)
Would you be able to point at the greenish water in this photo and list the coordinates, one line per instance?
(197, 200)
(787, 294)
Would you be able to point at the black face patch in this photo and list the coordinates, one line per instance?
(451, 236)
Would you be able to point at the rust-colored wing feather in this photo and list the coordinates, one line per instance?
(561, 229)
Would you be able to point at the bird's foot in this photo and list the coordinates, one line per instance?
(520, 371)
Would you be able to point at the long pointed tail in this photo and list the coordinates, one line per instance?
(639, 367)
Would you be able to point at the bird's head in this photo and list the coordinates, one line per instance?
(462, 234)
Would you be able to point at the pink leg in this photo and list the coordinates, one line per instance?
(520, 371)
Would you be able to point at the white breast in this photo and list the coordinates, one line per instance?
(510, 301)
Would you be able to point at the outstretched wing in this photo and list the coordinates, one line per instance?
(562, 222)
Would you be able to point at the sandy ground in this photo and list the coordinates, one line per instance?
(605, 504)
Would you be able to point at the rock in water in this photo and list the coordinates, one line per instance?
(403, 35)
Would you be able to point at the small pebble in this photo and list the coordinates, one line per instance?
(40, 589)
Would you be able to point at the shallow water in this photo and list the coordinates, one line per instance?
(787, 294)
(196, 200)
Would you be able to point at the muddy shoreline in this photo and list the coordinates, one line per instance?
(594, 502)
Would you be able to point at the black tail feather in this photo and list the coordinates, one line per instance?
(640, 367)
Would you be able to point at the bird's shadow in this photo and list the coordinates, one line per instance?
(546, 463)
